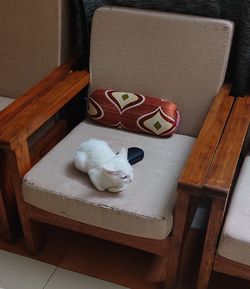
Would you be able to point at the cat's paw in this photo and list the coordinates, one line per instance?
(99, 188)
(116, 189)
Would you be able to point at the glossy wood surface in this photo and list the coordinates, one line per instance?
(197, 165)
(44, 106)
(18, 121)
(223, 168)
(12, 110)
(230, 267)
(219, 186)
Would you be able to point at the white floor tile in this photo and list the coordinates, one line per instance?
(65, 279)
(18, 272)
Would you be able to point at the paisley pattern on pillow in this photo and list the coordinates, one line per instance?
(133, 112)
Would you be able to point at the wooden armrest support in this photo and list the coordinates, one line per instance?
(40, 88)
(221, 173)
(38, 108)
(200, 158)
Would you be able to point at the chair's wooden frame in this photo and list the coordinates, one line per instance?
(9, 219)
(51, 95)
(219, 185)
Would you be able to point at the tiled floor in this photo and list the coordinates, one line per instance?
(65, 279)
(67, 258)
(19, 272)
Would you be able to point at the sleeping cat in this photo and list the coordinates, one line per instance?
(106, 170)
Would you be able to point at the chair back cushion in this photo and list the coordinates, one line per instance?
(179, 57)
(34, 40)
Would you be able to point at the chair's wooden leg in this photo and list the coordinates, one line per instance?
(20, 162)
(177, 239)
(157, 269)
(10, 224)
(210, 244)
(7, 232)
(33, 234)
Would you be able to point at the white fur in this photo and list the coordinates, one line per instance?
(107, 170)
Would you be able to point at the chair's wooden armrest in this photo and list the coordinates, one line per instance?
(36, 108)
(40, 88)
(195, 170)
(221, 173)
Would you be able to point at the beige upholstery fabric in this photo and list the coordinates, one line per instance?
(144, 208)
(4, 102)
(235, 238)
(179, 57)
(34, 40)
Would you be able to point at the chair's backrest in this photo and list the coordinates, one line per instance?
(34, 40)
(179, 57)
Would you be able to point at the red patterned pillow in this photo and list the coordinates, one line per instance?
(133, 112)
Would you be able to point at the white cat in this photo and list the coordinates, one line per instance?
(107, 170)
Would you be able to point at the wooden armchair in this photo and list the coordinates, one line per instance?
(227, 243)
(160, 54)
(34, 41)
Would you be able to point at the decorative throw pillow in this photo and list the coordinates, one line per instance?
(133, 112)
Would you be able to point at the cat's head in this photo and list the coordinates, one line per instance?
(118, 169)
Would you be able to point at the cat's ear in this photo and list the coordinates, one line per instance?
(109, 169)
(123, 153)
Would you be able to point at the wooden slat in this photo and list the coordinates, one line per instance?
(159, 247)
(230, 267)
(222, 170)
(177, 238)
(218, 184)
(38, 112)
(196, 167)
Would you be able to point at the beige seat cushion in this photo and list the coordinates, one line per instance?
(144, 208)
(235, 238)
(5, 101)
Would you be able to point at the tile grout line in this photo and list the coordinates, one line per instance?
(50, 277)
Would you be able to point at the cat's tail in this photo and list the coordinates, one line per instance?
(80, 161)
